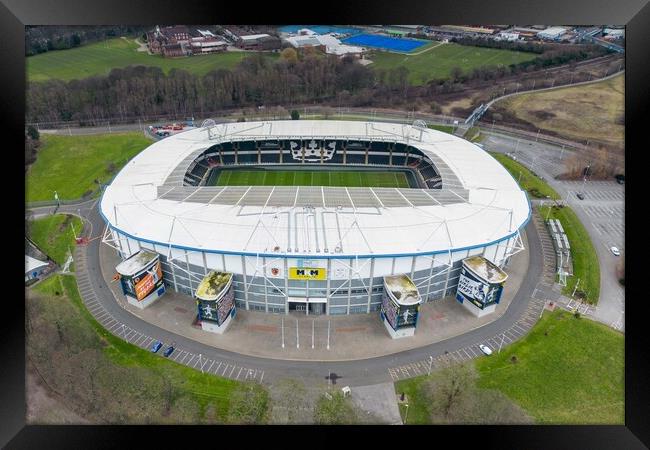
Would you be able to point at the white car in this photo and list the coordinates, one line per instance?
(615, 251)
(485, 349)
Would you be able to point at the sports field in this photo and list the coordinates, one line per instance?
(99, 58)
(347, 178)
(440, 60)
(386, 42)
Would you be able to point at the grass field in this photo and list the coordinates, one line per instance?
(347, 178)
(100, 57)
(70, 165)
(585, 259)
(108, 380)
(439, 61)
(54, 235)
(591, 112)
(567, 371)
(529, 182)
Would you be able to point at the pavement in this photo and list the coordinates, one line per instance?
(602, 212)
(378, 400)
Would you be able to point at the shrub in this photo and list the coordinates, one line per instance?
(295, 115)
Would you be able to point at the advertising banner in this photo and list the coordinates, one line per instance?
(399, 316)
(217, 311)
(307, 273)
(478, 291)
(147, 281)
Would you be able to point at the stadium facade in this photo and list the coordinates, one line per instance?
(318, 249)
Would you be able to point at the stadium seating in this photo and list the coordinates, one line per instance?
(353, 152)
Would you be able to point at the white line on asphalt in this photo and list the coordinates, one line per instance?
(211, 364)
(233, 369)
(186, 355)
(262, 376)
(177, 355)
(224, 370)
(240, 369)
(217, 368)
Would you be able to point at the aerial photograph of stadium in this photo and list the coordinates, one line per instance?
(325, 224)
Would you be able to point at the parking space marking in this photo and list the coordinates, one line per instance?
(224, 370)
(238, 373)
(233, 369)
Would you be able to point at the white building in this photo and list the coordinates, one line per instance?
(552, 33)
(322, 250)
(331, 44)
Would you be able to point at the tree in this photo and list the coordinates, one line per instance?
(295, 115)
(290, 404)
(435, 108)
(335, 410)
(453, 397)
(33, 133)
(289, 54)
(248, 404)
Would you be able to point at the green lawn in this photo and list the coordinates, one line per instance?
(529, 182)
(346, 178)
(100, 57)
(585, 260)
(54, 235)
(70, 164)
(129, 385)
(568, 371)
(438, 62)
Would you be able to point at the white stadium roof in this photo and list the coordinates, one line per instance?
(480, 202)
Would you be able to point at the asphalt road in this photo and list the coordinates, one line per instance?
(602, 213)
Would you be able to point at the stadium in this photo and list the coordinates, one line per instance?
(312, 215)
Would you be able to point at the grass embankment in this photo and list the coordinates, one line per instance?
(585, 259)
(527, 180)
(100, 57)
(439, 61)
(54, 235)
(108, 380)
(70, 165)
(591, 112)
(567, 371)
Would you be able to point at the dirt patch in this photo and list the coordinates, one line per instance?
(350, 329)
(44, 406)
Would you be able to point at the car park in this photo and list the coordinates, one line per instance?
(615, 251)
(485, 349)
(156, 346)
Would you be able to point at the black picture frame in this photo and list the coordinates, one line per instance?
(635, 14)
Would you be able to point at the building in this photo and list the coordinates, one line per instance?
(327, 43)
(261, 42)
(315, 249)
(505, 36)
(181, 41)
(552, 33)
(34, 268)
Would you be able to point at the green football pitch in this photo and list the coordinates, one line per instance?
(347, 178)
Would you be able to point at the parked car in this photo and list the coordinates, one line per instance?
(169, 350)
(156, 346)
(615, 251)
(581, 196)
(620, 179)
(485, 349)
